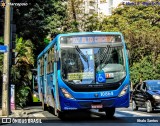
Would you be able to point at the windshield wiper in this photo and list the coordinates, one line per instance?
(108, 55)
(104, 54)
(82, 55)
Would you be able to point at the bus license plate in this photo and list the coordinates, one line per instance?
(96, 106)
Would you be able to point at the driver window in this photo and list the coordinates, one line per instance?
(114, 56)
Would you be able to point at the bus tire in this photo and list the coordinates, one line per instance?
(54, 110)
(61, 115)
(110, 112)
(44, 106)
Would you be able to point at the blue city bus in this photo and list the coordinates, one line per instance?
(83, 71)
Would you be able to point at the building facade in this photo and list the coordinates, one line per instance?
(103, 7)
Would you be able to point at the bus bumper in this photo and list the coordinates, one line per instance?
(118, 102)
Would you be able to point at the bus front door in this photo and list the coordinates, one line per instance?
(45, 84)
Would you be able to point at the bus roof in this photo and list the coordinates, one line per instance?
(76, 33)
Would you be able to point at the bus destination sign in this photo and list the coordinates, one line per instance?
(90, 39)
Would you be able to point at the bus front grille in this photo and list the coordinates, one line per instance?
(93, 87)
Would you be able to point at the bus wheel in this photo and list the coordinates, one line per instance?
(61, 115)
(44, 106)
(109, 112)
(54, 110)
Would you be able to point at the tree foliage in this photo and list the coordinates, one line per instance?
(21, 74)
(141, 27)
(34, 23)
(145, 70)
(39, 19)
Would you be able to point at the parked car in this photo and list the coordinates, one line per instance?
(146, 95)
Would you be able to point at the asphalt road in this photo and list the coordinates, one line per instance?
(123, 116)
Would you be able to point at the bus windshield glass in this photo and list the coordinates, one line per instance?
(93, 65)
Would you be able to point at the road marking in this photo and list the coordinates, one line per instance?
(135, 113)
(119, 115)
(124, 113)
(38, 115)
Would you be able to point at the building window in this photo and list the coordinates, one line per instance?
(91, 3)
(110, 2)
(91, 11)
(102, 1)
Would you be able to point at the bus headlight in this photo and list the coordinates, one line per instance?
(66, 94)
(124, 91)
(156, 96)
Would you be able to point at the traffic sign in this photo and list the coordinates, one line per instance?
(3, 48)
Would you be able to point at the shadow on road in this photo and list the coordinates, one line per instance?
(90, 117)
(34, 112)
(145, 111)
(87, 117)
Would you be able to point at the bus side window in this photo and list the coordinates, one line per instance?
(48, 62)
(52, 60)
(50, 68)
(41, 68)
(120, 57)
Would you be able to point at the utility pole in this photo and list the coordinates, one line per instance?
(5, 90)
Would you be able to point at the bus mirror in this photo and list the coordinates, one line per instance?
(129, 56)
(128, 53)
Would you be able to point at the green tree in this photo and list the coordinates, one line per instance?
(55, 20)
(1, 21)
(141, 28)
(21, 74)
(144, 70)
(1, 63)
(39, 19)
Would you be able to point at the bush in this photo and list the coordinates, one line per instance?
(21, 95)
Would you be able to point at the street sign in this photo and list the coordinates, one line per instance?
(3, 49)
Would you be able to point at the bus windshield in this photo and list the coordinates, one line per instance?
(92, 65)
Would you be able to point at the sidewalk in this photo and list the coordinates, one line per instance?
(16, 113)
(26, 112)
